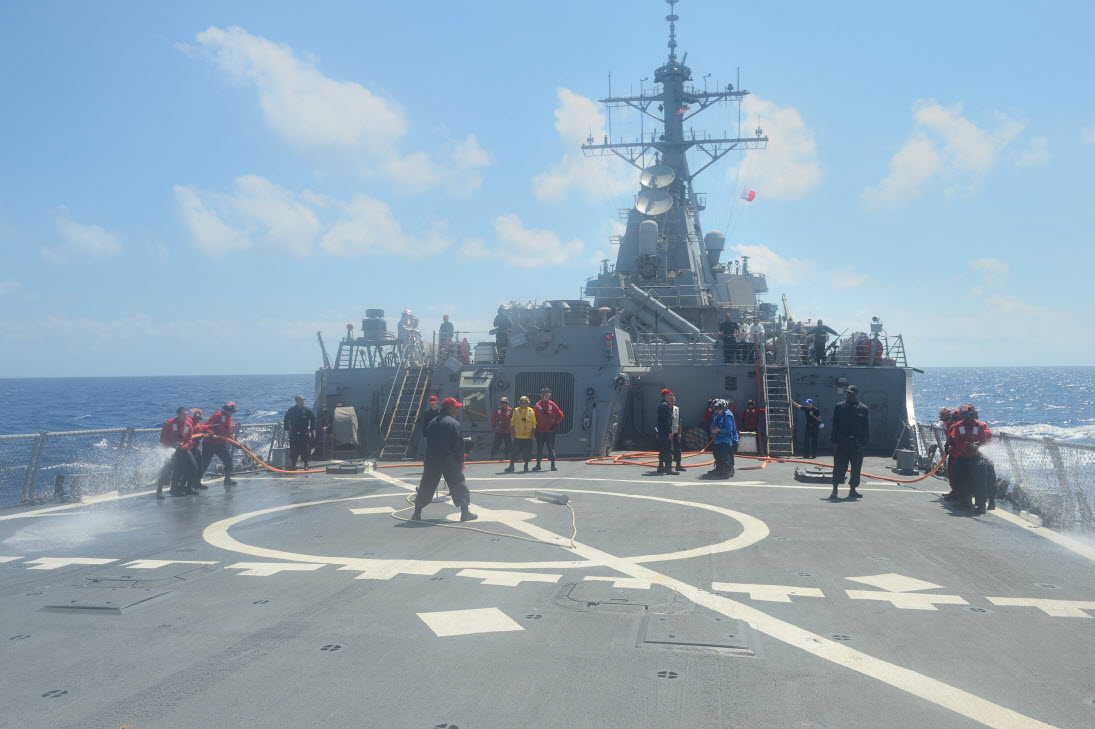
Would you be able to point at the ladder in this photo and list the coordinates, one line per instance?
(408, 403)
(777, 410)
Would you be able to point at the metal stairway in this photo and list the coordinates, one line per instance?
(777, 410)
(412, 383)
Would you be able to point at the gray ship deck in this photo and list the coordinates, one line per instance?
(685, 603)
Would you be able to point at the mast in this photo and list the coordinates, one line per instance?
(672, 264)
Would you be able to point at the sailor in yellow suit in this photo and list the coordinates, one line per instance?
(523, 421)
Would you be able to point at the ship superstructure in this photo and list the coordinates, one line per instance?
(650, 321)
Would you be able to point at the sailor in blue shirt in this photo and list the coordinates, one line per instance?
(725, 434)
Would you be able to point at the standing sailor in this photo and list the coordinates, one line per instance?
(502, 326)
(523, 422)
(218, 427)
(196, 450)
(970, 468)
(724, 432)
(444, 335)
(300, 424)
(444, 457)
(851, 431)
(813, 427)
(728, 333)
(548, 417)
(503, 429)
(821, 337)
(675, 429)
(664, 429)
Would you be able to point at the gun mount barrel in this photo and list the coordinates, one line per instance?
(641, 304)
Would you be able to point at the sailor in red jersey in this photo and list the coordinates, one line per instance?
(218, 427)
(176, 434)
(196, 450)
(965, 438)
(503, 430)
(548, 417)
(750, 416)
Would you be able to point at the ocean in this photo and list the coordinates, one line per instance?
(1058, 402)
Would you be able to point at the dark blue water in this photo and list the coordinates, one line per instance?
(84, 403)
(1041, 401)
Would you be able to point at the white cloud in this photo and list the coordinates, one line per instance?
(845, 280)
(788, 168)
(342, 123)
(763, 260)
(80, 241)
(207, 231)
(1036, 153)
(370, 228)
(993, 273)
(946, 145)
(528, 248)
(8, 287)
(594, 178)
(1087, 135)
(473, 249)
(260, 214)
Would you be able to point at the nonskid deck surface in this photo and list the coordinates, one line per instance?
(754, 602)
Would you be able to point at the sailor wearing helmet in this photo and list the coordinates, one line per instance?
(724, 433)
(217, 428)
(444, 457)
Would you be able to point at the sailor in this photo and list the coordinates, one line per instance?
(750, 416)
(664, 429)
(444, 335)
(503, 430)
(728, 333)
(548, 417)
(675, 429)
(725, 435)
(502, 325)
(821, 336)
(851, 431)
(756, 336)
(300, 424)
(196, 450)
(946, 420)
(424, 419)
(176, 434)
(523, 422)
(966, 438)
(813, 427)
(444, 457)
(216, 429)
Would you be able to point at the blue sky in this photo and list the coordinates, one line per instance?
(198, 188)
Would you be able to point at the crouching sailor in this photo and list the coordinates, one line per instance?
(444, 457)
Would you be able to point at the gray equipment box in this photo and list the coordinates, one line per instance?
(345, 467)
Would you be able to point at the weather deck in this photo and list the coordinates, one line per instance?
(755, 602)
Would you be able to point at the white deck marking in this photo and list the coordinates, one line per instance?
(265, 569)
(52, 563)
(374, 510)
(622, 583)
(9, 559)
(153, 564)
(386, 569)
(767, 593)
(1053, 608)
(1073, 545)
(917, 684)
(507, 579)
(908, 600)
(894, 582)
(468, 622)
(712, 482)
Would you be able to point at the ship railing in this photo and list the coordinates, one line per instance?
(677, 350)
(1051, 478)
(883, 351)
(66, 466)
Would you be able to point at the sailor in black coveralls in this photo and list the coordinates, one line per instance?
(444, 457)
(665, 434)
(851, 430)
(300, 424)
